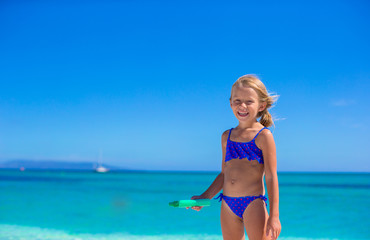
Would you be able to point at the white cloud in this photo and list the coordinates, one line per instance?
(342, 102)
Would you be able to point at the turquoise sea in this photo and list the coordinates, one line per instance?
(134, 205)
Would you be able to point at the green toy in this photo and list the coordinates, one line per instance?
(191, 203)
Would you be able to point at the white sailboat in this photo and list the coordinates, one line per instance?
(100, 168)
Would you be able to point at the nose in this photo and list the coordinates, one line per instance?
(243, 105)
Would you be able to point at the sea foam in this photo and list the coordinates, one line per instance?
(15, 232)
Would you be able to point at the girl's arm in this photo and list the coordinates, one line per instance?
(218, 183)
(215, 187)
(268, 148)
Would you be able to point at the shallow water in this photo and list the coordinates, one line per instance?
(134, 205)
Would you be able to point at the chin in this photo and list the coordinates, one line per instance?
(242, 119)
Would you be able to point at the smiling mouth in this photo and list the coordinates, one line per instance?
(243, 114)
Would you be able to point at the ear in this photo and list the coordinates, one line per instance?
(262, 106)
(230, 102)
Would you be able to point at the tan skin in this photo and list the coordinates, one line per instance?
(241, 177)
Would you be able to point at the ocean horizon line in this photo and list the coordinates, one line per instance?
(170, 171)
(50, 165)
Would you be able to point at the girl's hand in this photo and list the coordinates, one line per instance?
(196, 208)
(274, 227)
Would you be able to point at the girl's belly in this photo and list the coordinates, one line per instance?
(243, 178)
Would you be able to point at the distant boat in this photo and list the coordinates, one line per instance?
(22, 169)
(100, 168)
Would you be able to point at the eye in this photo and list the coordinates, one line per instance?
(237, 101)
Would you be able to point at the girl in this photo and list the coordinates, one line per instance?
(248, 153)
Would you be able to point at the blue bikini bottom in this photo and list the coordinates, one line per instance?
(239, 204)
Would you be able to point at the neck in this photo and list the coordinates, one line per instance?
(245, 125)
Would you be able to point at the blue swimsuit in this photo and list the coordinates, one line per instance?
(242, 150)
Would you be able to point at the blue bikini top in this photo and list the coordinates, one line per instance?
(242, 150)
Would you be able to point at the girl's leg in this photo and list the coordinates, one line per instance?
(255, 218)
(231, 225)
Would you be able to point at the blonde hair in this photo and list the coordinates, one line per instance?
(252, 81)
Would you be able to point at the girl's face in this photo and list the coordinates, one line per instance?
(245, 103)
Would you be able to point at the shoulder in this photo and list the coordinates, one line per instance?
(265, 133)
(265, 138)
(225, 136)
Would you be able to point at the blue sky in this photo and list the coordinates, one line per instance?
(148, 82)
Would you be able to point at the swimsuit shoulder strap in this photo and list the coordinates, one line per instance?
(259, 133)
(228, 138)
